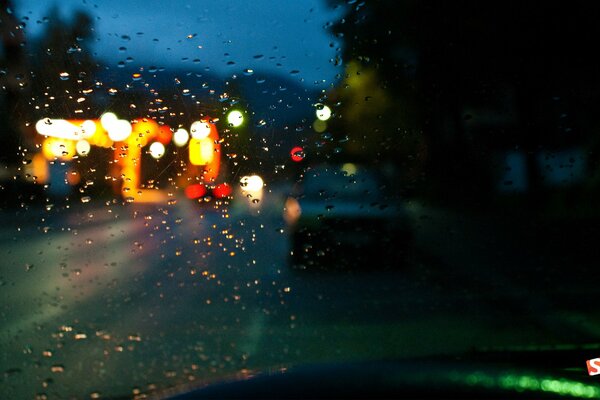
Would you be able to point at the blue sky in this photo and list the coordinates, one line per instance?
(262, 35)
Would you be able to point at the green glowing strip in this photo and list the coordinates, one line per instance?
(563, 387)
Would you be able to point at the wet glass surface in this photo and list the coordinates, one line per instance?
(195, 192)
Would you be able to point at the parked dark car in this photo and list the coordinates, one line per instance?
(344, 212)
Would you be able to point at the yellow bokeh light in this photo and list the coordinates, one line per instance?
(319, 126)
(57, 148)
(202, 151)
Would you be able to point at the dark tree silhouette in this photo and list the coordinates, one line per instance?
(63, 67)
(481, 78)
(13, 81)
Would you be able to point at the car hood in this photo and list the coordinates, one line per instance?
(494, 374)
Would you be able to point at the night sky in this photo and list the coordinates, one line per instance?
(227, 36)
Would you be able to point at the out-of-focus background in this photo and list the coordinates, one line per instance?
(191, 191)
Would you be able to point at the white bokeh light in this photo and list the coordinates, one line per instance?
(252, 183)
(88, 128)
(200, 129)
(108, 120)
(119, 130)
(181, 137)
(83, 147)
(235, 118)
(323, 112)
(157, 150)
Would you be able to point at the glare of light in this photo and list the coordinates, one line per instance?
(119, 130)
(235, 118)
(107, 120)
(323, 112)
(252, 183)
(349, 168)
(200, 129)
(83, 147)
(180, 137)
(88, 128)
(157, 150)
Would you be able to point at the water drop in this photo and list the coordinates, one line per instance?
(57, 368)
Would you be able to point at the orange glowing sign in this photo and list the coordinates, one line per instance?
(64, 138)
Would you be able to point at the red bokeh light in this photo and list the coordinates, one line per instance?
(164, 134)
(195, 191)
(222, 190)
(297, 154)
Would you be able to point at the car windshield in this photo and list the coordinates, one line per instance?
(198, 192)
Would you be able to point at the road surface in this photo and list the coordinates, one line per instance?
(105, 299)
